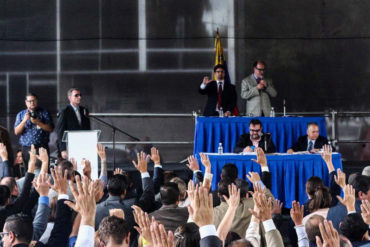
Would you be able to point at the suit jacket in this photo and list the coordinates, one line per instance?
(302, 143)
(274, 239)
(171, 216)
(245, 140)
(258, 101)
(210, 241)
(228, 98)
(67, 120)
(336, 214)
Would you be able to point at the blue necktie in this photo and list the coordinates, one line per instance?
(310, 146)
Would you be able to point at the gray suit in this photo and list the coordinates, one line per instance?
(258, 101)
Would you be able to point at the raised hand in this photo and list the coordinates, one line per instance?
(261, 157)
(101, 152)
(340, 179)
(118, 212)
(41, 184)
(143, 221)
(99, 190)
(3, 152)
(118, 171)
(192, 163)
(277, 206)
(329, 235)
(43, 155)
(205, 161)
(206, 80)
(349, 198)
(254, 177)
(86, 170)
(201, 211)
(60, 180)
(154, 156)
(32, 160)
(74, 163)
(159, 236)
(264, 206)
(296, 213)
(365, 211)
(142, 162)
(327, 157)
(234, 196)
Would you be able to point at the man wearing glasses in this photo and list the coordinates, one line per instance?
(71, 117)
(34, 125)
(221, 95)
(255, 138)
(257, 90)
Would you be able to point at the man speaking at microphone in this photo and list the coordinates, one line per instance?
(255, 138)
(71, 117)
(257, 90)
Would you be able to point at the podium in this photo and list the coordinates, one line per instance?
(82, 144)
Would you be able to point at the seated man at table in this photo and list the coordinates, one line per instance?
(312, 142)
(255, 138)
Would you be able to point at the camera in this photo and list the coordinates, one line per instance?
(33, 114)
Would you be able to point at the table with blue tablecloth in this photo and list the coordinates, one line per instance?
(289, 173)
(285, 131)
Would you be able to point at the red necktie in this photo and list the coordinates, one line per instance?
(258, 80)
(219, 95)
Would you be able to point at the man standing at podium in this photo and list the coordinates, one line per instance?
(312, 142)
(255, 138)
(71, 117)
(221, 95)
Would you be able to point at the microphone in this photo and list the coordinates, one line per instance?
(284, 107)
(265, 139)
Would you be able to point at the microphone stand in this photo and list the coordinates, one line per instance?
(114, 129)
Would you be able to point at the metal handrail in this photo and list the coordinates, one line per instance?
(142, 115)
(150, 142)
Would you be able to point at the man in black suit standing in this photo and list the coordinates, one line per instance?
(312, 142)
(71, 117)
(221, 95)
(255, 138)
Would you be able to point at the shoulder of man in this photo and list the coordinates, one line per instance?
(64, 109)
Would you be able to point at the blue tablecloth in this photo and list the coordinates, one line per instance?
(289, 173)
(285, 131)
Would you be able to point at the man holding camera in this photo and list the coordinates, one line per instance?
(34, 125)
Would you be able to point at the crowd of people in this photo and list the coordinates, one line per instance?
(57, 206)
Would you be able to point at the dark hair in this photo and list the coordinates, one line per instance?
(114, 228)
(66, 165)
(53, 209)
(223, 188)
(312, 227)
(312, 123)
(10, 182)
(69, 92)
(241, 242)
(167, 176)
(230, 237)
(320, 194)
(243, 186)
(4, 195)
(257, 62)
(169, 193)
(219, 66)
(116, 185)
(361, 183)
(187, 235)
(21, 227)
(30, 95)
(229, 171)
(353, 227)
(255, 121)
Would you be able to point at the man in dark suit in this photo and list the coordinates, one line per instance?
(311, 142)
(221, 95)
(71, 117)
(255, 138)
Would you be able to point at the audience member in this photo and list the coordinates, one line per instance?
(5, 139)
(4, 162)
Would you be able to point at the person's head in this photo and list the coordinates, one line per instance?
(366, 171)
(170, 193)
(187, 235)
(361, 184)
(318, 193)
(12, 185)
(117, 186)
(312, 227)
(229, 171)
(313, 131)
(241, 243)
(259, 68)
(231, 237)
(114, 231)
(255, 129)
(181, 185)
(354, 228)
(168, 175)
(19, 157)
(4, 195)
(67, 165)
(223, 188)
(31, 101)
(219, 71)
(243, 186)
(17, 230)
(74, 96)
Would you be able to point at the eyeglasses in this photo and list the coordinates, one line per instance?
(260, 69)
(256, 130)
(2, 234)
(31, 101)
(77, 95)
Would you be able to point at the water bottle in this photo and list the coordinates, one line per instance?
(220, 148)
(221, 112)
(272, 112)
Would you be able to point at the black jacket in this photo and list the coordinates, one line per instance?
(302, 143)
(228, 98)
(245, 140)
